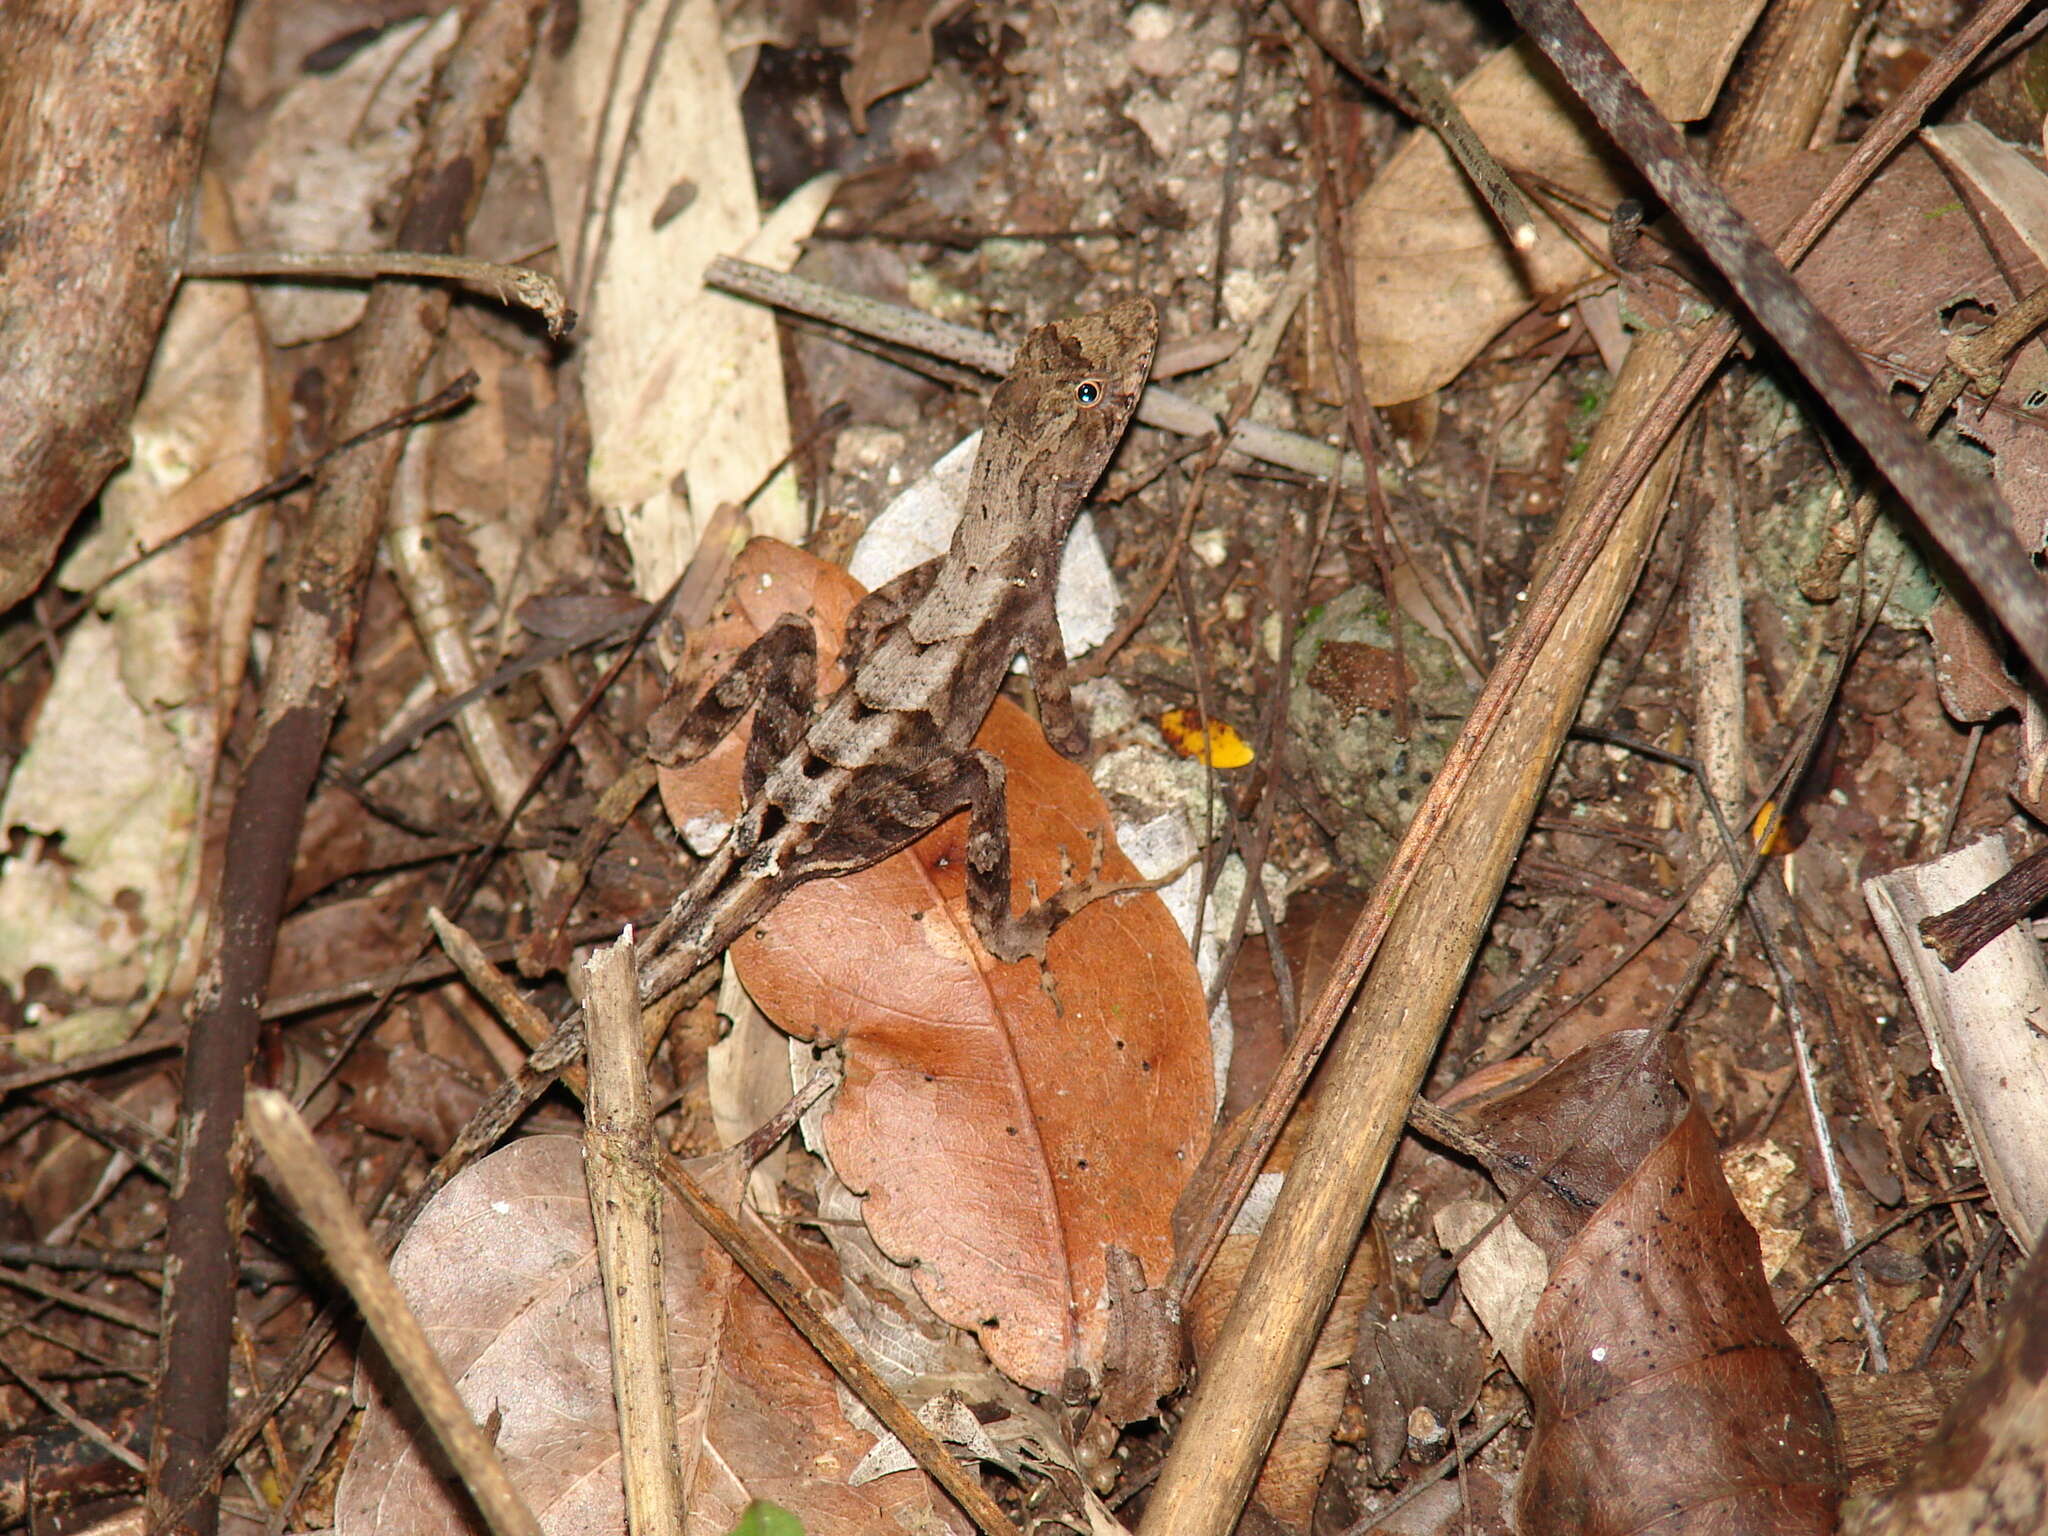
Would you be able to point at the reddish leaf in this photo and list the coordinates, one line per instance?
(1007, 1123)
(1667, 1394)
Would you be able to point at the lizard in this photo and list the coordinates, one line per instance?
(833, 788)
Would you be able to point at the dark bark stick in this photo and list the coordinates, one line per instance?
(103, 111)
(1961, 931)
(302, 694)
(1965, 517)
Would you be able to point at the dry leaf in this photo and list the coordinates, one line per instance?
(1007, 1124)
(892, 51)
(683, 386)
(502, 1271)
(125, 748)
(1666, 1392)
(1435, 277)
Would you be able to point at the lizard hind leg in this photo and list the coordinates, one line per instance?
(977, 779)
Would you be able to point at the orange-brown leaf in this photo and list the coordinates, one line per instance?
(1006, 1123)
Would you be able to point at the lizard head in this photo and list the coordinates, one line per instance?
(1072, 390)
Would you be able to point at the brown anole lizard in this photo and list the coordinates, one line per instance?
(890, 754)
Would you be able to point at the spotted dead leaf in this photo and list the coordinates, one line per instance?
(1666, 1392)
(1006, 1123)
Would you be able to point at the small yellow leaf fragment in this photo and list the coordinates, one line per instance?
(1214, 742)
(1770, 831)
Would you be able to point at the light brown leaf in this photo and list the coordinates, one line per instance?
(892, 50)
(502, 1270)
(1434, 275)
(1007, 1123)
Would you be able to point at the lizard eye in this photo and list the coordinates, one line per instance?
(1088, 392)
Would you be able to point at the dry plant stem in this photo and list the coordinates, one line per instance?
(424, 973)
(1870, 1240)
(80, 1301)
(1281, 1303)
(148, 1043)
(1233, 168)
(938, 1463)
(501, 763)
(1715, 648)
(1474, 159)
(316, 1454)
(509, 285)
(1964, 515)
(1778, 104)
(1962, 930)
(352, 1253)
(1958, 1293)
(1426, 913)
(1974, 362)
(1427, 1479)
(1959, 786)
(302, 694)
(1161, 408)
(625, 1205)
(1340, 300)
(103, 112)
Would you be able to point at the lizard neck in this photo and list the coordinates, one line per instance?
(1016, 512)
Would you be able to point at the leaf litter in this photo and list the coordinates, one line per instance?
(1017, 165)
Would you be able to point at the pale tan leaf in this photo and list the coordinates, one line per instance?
(125, 746)
(678, 381)
(1434, 275)
(502, 1271)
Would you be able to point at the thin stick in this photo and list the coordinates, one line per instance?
(1441, 112)
(329, 573)
(625, 1205)
(958, 343)
(352, 1253)
(519, 286)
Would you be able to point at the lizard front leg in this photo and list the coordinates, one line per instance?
(884, 606)
(779, 673)
(1047, 653)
